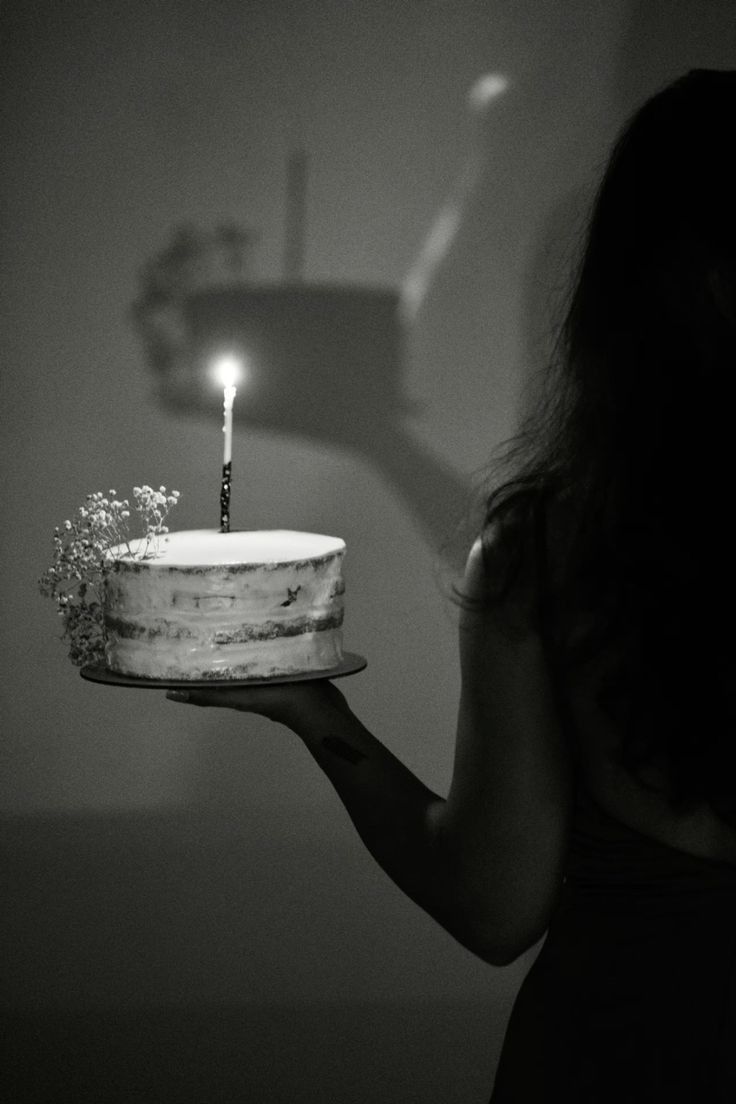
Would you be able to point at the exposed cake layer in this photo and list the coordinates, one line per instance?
(227, 605)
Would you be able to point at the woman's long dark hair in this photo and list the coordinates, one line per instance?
(635, 432)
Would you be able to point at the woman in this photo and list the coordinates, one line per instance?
(594, 788)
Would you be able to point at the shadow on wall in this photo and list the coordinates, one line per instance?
(321, 362)
(330, 363)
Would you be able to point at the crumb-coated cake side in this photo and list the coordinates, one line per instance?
(238, 605)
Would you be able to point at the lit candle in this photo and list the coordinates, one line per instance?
(227, 370)
(229, 397)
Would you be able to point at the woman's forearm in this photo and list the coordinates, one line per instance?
(430, 856)
(396, 815)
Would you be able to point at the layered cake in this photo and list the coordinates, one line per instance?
(238, 605)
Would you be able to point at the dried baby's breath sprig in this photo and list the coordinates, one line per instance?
(85, 549)
(153, 508)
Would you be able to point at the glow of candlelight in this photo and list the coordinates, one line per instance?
(227, 370)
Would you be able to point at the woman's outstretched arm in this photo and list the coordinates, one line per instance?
(396, 815)
(485, 862)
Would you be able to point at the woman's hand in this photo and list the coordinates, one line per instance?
(294, 704)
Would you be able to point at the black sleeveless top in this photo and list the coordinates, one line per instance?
(633, 995)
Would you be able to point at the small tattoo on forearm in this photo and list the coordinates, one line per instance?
(342, 749)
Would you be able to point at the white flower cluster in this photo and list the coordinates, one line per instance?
(82, 559)
(152, 508)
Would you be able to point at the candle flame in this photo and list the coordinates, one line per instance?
(228, 370)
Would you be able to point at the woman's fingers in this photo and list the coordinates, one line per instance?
(286, 703)
(270, 701)
(230, 699)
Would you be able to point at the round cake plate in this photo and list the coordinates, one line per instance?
(350, 665)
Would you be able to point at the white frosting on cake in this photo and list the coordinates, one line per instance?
(211, 605)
